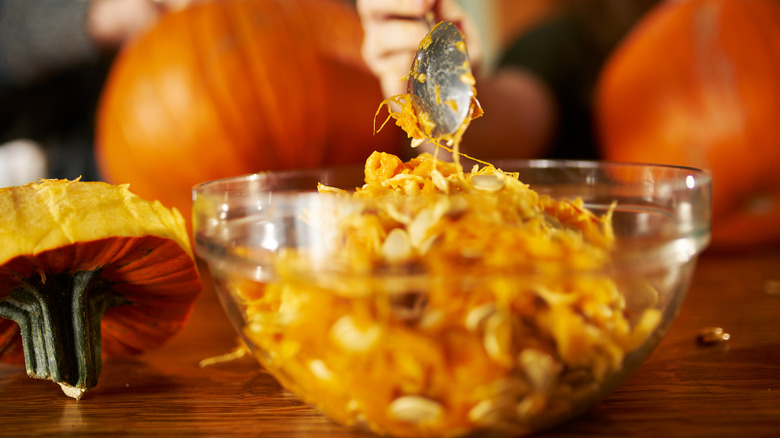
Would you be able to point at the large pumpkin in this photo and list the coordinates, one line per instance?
(698, 83)
(229, 87)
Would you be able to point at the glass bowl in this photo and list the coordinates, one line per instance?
(398, 350)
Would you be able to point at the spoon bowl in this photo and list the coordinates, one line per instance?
(441, 84)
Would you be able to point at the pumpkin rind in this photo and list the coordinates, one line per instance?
(81, 252)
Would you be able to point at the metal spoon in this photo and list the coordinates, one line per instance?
(440, 82)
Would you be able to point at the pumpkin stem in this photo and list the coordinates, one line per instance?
(59, 319)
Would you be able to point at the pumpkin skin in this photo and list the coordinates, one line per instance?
(229, 87)
(696, 84)
(87, 270)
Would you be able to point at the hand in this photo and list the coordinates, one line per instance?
(111, 22)
(393, 30)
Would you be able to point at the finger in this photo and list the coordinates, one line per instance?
(383, 9)
(388, 50)
(172, 5)
(450, 10)
(390, 36)
(394, 79)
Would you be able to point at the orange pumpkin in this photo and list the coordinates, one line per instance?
(230, 87)
(696, 83)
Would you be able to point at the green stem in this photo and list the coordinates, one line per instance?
(59, 320)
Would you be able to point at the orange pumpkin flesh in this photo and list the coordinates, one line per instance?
(232, 87)
(696, 84)
(74, 254)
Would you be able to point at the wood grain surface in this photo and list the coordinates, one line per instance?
(682, 390)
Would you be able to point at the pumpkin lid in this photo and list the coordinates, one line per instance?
(73, 254)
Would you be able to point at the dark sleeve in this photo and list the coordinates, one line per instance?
(567, 59)
(39, 37)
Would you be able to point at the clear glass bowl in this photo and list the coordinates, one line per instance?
(405, 353)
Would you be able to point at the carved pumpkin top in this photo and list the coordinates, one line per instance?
(72, 250)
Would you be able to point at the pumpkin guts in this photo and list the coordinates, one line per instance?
(419, 129)
(443, 302)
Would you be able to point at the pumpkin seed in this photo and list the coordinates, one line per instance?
(475, 319)
(431, 319)
(320, 370)
(442, 207)
(491, 411)
(427, 244)
(412, 187)
(417, 142)
(415, 409)
(440, 181)
(322, 188)
(397, 247)
(422, 223)
(350, 337)
(456, 208)
(396, 215)
(540, 369)
(488, 183)
(418, 229)
(531, 406)
(712, 336)
(497, 340)
(403, 177)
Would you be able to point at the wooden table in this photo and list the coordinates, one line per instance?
(682, 390)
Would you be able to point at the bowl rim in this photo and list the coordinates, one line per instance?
(701, 175)
(677, 250)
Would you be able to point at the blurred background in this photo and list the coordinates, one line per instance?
(163, 94)
(52, 76)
